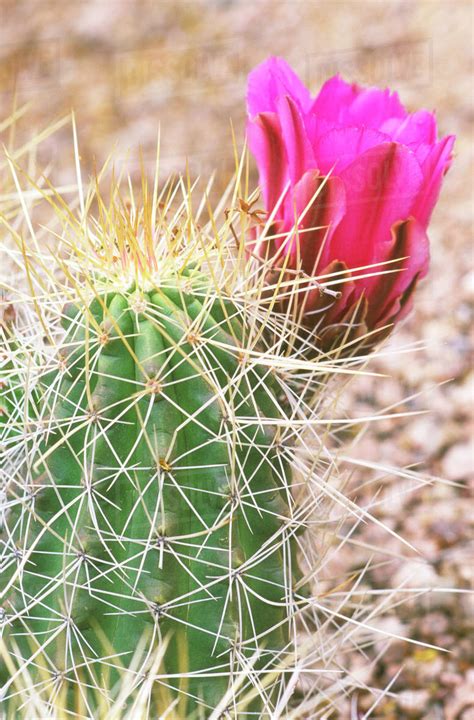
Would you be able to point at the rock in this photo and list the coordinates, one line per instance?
(426, 665)
(447, 531)
(395, 497)
(392, 648)
(433, 625)
(417, 574)
(462, 700)
(361, 671)
(450, 679)
(413, 702)
(462, 394)
(458, 462)
(425, 434)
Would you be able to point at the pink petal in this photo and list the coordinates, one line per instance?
(434, 167)
(335, 309)
(266, 143)
(422, 152)
(334, 98)
(372, 107)
(381, 186)
(318, 207)
(299, 152)
(351, 104)
(271, 80)
(322, 309)
(316, 127)
(415, 129)
(338, 148)
(409, 241)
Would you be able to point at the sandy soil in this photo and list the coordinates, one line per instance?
(127, 67)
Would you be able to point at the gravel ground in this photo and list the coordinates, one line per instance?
(126, 67)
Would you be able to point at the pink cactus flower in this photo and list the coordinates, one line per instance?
(349, 179)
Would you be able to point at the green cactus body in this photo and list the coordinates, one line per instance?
(159, 505)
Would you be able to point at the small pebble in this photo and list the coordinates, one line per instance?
(413, 702)
(458, 463)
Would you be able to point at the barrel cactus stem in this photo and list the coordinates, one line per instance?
(155, 517)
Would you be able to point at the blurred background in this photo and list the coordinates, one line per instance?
(128, 67)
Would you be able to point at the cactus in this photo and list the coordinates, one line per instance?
(158, 498)
(152, 519)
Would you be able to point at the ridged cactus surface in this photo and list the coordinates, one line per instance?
(159, 506)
